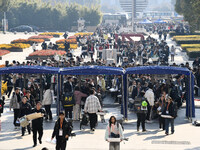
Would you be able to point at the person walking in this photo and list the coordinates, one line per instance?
(47, 101)
(172, 52)
(65, 35)
(61, 132)
(67, 46)
(162, 104)
(68, 97)
(25, 109)
(170, 111)
(114, 130)
(19, 82)
(92, 106)
(77, 96)
(15, 104)
(141, 113)
(34, 46)
(37, 124)
(44, 45)
(149, 95)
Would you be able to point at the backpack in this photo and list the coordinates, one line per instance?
(68, 100)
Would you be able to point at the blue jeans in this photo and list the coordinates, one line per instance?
(167, 121)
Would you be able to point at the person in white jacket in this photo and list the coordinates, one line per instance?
(47, 101)
(149, 95)
(114, 130)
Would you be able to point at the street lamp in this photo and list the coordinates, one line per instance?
(133, 14)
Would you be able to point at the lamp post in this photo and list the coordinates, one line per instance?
(133, 14)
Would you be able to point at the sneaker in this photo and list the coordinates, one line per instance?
(40, 141)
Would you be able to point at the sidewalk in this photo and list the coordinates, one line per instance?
(186, 136)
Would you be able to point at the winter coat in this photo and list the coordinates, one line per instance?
(48, 99)
(14, 102)
(78, 95)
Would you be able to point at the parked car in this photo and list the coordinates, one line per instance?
(22, 28)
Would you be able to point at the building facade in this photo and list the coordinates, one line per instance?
(139, 6)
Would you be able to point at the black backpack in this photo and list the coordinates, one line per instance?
(68, 100)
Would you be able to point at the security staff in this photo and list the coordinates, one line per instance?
(61, 131)
(37, 124)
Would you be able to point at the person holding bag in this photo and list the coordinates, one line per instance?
(114, 130)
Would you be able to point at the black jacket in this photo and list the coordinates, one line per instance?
(68, 88)
(37, 123)
(2, 103)
(25, 109)
(135, 92)
(65, 127)
(20, 83)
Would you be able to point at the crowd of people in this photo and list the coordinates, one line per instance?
(155, 96)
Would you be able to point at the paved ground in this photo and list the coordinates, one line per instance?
(20, 56)
(186, 135)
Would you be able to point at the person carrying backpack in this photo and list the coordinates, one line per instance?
(114, 130)
(141, 106)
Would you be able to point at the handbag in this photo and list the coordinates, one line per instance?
(113, 135)
(23, 121)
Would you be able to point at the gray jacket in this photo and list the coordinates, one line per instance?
(14, 103)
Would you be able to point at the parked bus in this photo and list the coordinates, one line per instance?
(115, 18)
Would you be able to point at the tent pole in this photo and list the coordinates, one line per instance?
(24, 81)
(0, 85)
(127, 95)
(122, 104)
(124, 79)
(61, 90)
(41, 87)
(191, 96)
(58, 95)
